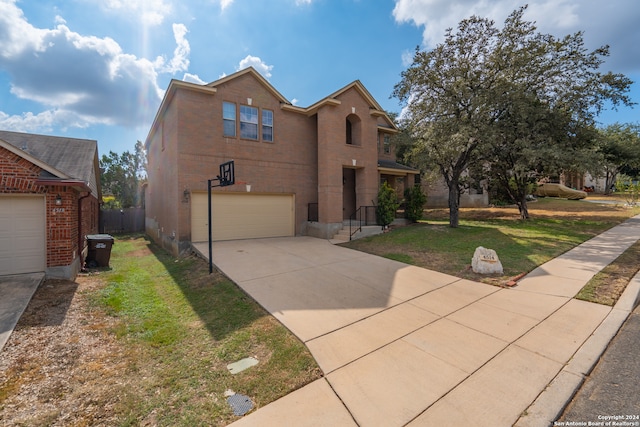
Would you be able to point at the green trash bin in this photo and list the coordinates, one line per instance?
(99, 250)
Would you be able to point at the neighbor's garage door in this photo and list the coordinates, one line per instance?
(242, 216)
(22, 234)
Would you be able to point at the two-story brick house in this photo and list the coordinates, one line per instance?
(298, 171)
(49, 203)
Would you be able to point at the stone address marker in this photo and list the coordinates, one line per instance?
(486, 261)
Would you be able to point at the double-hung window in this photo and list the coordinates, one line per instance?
(387, 144)
(229, 118)
(267, 125)
(248, 122)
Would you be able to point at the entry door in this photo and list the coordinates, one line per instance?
(348, 192)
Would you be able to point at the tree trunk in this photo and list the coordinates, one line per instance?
(454, 203)
(523, 208)
(609, 182)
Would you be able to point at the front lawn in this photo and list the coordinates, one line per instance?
(555, 227)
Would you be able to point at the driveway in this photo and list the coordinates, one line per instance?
(16, 292)
(401, 345)
(314, 287)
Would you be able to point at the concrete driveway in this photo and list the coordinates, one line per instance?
(405, 346)
(15, 293)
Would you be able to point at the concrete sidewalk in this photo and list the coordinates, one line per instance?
(15, 293)
(405, 346)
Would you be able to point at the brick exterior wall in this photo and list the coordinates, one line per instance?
(18, 176)
(306, 158)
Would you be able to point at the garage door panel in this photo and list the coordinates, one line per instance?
(22, 236)
(243, 216)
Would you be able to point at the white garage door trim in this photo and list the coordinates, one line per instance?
(22, 234)
(242, 216)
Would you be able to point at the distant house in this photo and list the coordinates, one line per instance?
(49, 202)
(299, 171)
(475, 196)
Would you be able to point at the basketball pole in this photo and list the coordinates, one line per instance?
(210, 233)
(227, 177)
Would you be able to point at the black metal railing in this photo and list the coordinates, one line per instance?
(312, 213)
(364, 215)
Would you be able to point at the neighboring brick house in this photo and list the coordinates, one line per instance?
(49, 203)
(299, 171)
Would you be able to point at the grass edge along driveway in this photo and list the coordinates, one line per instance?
(182, 327)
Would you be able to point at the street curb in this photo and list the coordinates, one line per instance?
(549, 404)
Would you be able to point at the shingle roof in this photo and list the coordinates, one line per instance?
(390, 164)
(76, 158)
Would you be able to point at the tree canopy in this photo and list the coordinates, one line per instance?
(618, 153)
(121, 176)
(513, 99)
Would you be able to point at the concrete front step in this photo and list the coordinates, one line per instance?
(367, 230)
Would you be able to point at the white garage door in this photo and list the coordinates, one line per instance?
(22, 234)
(242, 216)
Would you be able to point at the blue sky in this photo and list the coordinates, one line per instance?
(98, 69)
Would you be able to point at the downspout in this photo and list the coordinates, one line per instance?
(80, 237)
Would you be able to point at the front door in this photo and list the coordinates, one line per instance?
(348, 192)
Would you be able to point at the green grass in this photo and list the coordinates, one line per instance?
(556, 226)
(181, 327)
(607, 285)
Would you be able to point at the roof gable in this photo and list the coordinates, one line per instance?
(63, 158)
(374, 108)
(251, 71)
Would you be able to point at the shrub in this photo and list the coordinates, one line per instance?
(387, 205)
(414, 201)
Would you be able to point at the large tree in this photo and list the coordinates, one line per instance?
(448, 109)
(121, 176)
(619, 152)
(486, 93)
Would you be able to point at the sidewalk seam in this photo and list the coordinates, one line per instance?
(553, 400)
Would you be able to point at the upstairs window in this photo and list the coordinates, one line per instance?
(248, 122)
(349, 134)
(229, 118)
(267, 125)
(387, 144)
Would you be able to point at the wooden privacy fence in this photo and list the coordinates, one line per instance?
(114, 221)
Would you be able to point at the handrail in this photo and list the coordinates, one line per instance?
(357, 215)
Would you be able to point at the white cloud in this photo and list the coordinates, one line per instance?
(180, 60)
(79, 80)
(225, 4)
(193, 78)
(45, 121)
(613, 22)
(301, 2)
(294, 101)
(257, 63)
(407, 58)
(151, 12)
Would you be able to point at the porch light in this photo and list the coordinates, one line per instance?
(185, 195)
(58, 200)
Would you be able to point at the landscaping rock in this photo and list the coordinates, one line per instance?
(486, 261)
